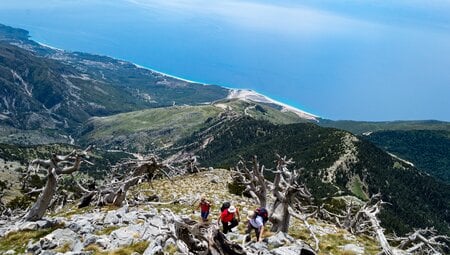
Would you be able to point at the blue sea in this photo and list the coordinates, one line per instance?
(361, 60)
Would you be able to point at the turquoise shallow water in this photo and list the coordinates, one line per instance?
(371, 61)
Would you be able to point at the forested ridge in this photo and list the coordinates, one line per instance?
(415, 198)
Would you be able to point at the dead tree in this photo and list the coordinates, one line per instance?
(192, 165)
(287, 192)
(362, 219)
(253, 180)
(57, 165)
(424, 241)
(205, 239)
(115, 192)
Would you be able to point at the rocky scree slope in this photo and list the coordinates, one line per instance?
(139, 228)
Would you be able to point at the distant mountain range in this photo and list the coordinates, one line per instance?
(53, 96)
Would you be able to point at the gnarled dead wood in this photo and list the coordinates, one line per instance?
(253, 180)
(204, 239)
(115, 192)
(55, 166)
(304, 218)
(287, 191)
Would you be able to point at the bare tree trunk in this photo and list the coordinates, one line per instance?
(285, 190)
(254, 180)
(55, 166)
(379, 231)
(37, 211)
(281, 218)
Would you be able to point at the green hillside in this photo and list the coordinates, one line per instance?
(428, 150)
(360, 127)
(158, 128)
(46, 89)
(416, 199)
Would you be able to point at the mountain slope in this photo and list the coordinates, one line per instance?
(428, 150)
(360, 127)
(156, 129)
(333, 160)
(45, 88)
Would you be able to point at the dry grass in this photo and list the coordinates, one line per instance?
(18, 241)
(138, 247)
(107, 230)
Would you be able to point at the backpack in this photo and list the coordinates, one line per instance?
(225, 205)
(263, 213)
(226, 216)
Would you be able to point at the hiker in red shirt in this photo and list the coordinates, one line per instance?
(204, 206)
(230, 218)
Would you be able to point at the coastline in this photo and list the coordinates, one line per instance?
(246, 92)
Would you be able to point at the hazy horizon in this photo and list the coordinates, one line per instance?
(358, 60)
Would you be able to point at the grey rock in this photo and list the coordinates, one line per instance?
(129, 217)
(104, 243)
(287, 250)
(155, 247)
(78, 253)
(10, 252)
(75, 227)
(47, 244)
(293, 250)
(280, 239)
(258, 246)
(44, 223)
(127, 235)
(116, 216)
(47, 253)
(111, 218)
(82, 226)
(156, 221)
(90, 239)
(352, 248)
(28, 226)
(64, 237)
(34, 248)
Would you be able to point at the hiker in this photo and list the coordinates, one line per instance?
(256, 221)
(230, 218)
(205, 207)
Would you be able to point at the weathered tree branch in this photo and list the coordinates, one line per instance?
(56, 165)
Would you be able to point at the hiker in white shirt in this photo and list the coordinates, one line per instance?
(254, 223)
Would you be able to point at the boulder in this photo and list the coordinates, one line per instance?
(29, 225)
(116, 216)
(81, 226)
(44, 223)
(126, 236)
(280, 239)
(293, 250)
(104, 243)
(62, 237)
(90, 239)
(352, 248)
